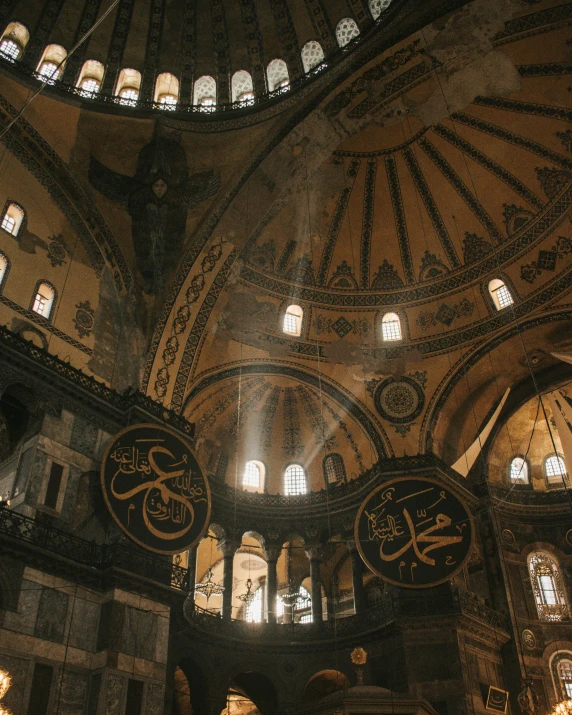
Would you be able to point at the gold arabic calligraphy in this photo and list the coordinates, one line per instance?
(168, 497)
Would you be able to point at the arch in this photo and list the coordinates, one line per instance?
(277, 75)
(259, 689)
(554, 470)
(500, 294)
(325, 683)
(334, 469)
(561, 671)
(44, 299)
(547, 587)
(128, 86)
(518, 470)
(346, 30)
(50, 64)
(204, 94)
(312, 55)
(292, 323)
(254, 475)
(242, 87)
(376, 7)
(167, 91)
(391, 327)
(91, 77)
(14, 40)
(13, 218)
(198, 684)
(295, 481)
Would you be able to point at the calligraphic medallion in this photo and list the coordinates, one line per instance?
(155, 489)
(413, 532)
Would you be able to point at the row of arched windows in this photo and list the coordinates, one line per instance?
(16, 36)
(554, 470)
(391, 322)
(295, 482)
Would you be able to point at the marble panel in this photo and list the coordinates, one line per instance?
(73, 694)
(84, 437)
(52, 615)
(20, 670)
(154, 699)
(114, 694)
(24, 620)
(85, 620)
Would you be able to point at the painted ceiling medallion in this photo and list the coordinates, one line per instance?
(399, 401)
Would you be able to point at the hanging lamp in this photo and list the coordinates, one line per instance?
(209, 588)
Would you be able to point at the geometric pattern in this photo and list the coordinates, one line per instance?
(399, 400)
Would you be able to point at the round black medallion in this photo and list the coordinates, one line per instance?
(413, 532)
(399, 400)
(155, 489)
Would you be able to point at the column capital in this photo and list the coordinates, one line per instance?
(351, 544)
(314, 552)
(272, 551)
(227, 547)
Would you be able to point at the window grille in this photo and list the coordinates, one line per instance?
(312, 55)
(378, 6)
(547, 587)
(242, 88)
(277, 74)
(391, 327)
(554, 468)
(518, 470)
(346, 31)
(564, 670)
(44, 300)
(254, 608)
(294, 480)
(503, 296)
(293, 320)
(90, 86)
(129, 96)
(10, 49)
(334, 468)
(251, 476)
(205, 91)
(8, 223)
(48, 70)
(168, 101)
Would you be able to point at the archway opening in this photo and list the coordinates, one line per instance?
(325, 683)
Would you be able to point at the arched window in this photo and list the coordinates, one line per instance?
(346, 31)
(253, 477)
(500, 294)
(518, 470)
(376, 7)
(128, 86)
(303, 606)
(242, 87)
(44, 299)
(14, 39)
(554, 469)
(4, 268)
(293, 320)
(547, 587)
(50, 66)
(294, 480)
(277, 75)
(254, 608)
(563, 672)
(312, 55)
(391, 327)
(205, 93)
(12, 219)
(167, 91)
(334, 469)
(91, 77)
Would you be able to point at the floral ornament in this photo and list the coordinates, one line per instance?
(57, 250)
(84, 319)
(359, 656)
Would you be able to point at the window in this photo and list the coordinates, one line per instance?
(167, 91)
(254, 608)
(518, 470)
(346, 31)
(500, 294)
(44, 300)
(376, 7)
(547, 587)
(205, 93)
(242, 88)
(303, 604)
(277, 75)
(294, 481)
(128, 86)
(564, 672)
(54, 484)
(391, 327)
(50, 65)
(90, 78)
(555, 469)
(312, 55)
(253, 477)
(4, 268)
(334, 470)
(14, 39)
(12, 219)
(293, 320)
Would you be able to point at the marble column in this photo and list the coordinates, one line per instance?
(315, 555)
(272, 555)
(357, 577)
(228, 549)
(192, 567)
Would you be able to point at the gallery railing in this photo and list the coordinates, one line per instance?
(29, 531)
(388, 610)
